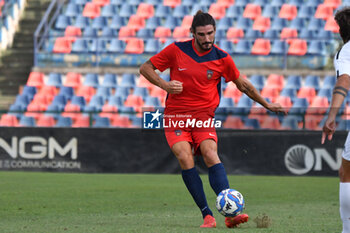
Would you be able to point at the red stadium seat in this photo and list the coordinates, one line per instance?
(108, 111)
(262, 23)
(73, 80)
(285, 102)
(331, 25)
(333, 3)
(307, 92)
(134, 46)
(101, 3)
(126, 32)
(298, 47)
(143, 82)
(226, 3)
(172, 3)
(62, 45)
(324, 11)
(163, 33)
(275, 81)
(48, 90)
(311, 122)
(187, 21)
(217, 11)
(44, 99)
(9, 120)
(72, 32)
(81, 121)
(271, 123)
(136, 22)
(233, 122)
(120, 121)
(261, 47)
(145, 10)
(160, 93)
(234, 34)
(86, 91)
(319, 105)
(232, 91)
(35, 110)
(72, 111)
(252, 11)
(134, 101)
(288, 11)
(36, 79)
(91, 10)
(288, 33)
(270, 92)
(181, 32)
(45, 121)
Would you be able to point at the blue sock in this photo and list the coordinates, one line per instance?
(218, 178)
(195, 186)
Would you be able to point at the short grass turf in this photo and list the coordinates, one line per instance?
(63, 202)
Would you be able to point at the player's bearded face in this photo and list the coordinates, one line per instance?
(204, 37)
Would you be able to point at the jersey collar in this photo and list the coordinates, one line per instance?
(197, 52)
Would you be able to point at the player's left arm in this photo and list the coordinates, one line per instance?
(245, 86)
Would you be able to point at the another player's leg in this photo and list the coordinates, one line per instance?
(192, 180)
(218, 178)
(344, 195)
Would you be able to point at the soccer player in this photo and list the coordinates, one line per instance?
(196, 67)
(340, 91)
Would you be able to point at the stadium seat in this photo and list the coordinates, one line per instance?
(91, 79)
(329, 81)
(251, 123)
(141, 91)
(91, 10)
(67, 92)
(160, 93)
(233, 11)
(172, 22)
(258, 81)
(122, 92)
(226, 46)
(234, 34)
(180, 11)
(305, 33)
(118, 22)
(26, 121)
(128, 80)
(271, 123)
(298, 23)
(162, 11)
(86, 92)
(187, 21)
(99, 22)
(261, 23)
(279, 47)
(317, 48)
(134, 46)
(108, 111)
(72, 111)
(64, 122)
(109, 80)
(55, 79)
(35, 79)
(243, 106)
(275, 81)
(35, 110)
(298, 47)
(116, 46)
(306, 11)
(319, 105)
(145, 10)
(224, 23)
(180, 32)
(307, 92)
(252, 11)
(289, 123)
(134, 101)
(152, 101)
(29, 91)
(279, 23)
(243, 47)
(101, 122)
(312, 81)
(270, 11)
(316, 24)
(331, 25)
(278, 3)
(72, 32)
(60, 100)
(171, 3)
(261, 47)
(252, 34)
(126, 10)
(62, 22)
(233, 122)
(162, 33)
(288, 11)
(45, 121)
(294, 81)
(136, 22)
(104, 92)
(244, 23)
(323, 11)
(284, 101)
(288, 33)
(79, 101)
(73, 80)
(72, 10)
(90, 32)
(82, 21)
(54, 110)
(333, 3)
(145, 33)
(101, 3)
(272, 34)
(8, 120)
(81, 121)
(80, 45)
(109, 10)
(120, 121)
(126, 33)
(270, 92)
(62, 45)
(217, 11)
(109, 33)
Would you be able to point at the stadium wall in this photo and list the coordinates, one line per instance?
(146, 151)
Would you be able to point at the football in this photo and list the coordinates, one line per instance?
(230, 202)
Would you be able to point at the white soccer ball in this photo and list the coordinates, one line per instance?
(230, 202)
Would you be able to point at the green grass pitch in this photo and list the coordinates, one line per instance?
(62, 202)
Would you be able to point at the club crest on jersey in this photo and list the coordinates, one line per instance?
(209, 74)
(177, 132)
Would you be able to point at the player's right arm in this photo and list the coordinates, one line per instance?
(340, 91)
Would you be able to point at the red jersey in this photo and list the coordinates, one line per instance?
(200, 74)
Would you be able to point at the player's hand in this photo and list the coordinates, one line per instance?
(276, 107)
(328, 130)
(173, 87)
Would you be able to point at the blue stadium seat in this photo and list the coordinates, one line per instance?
(290, 123)
(80, 45)
(225, 107)
(153, 22)
(305, 33)
(220, 34)
(64, 122)
(272, 34)
(152, 46)
(116, 3)
(145, 33)
(261, 2)
(329, 81)
(109, 33)
(118, 22)
(299, 108)
(97, 102)
(244, 23)
(123, 92)
(251, 123)
(82, 22)
(29, 91)
(141, 91)
(325, 92)
(59, 100)
(234, 11)
(279, 47)
(188, 3)
(224, 23)
(136, 121)
(128, 80)
(152, 101)
(90, 32)
(278, 3)
(270, 11)
(68, 92)
(242, 2)
(91, 80)
(298, 23)
(109, 80)
(116, 46)
(54, 111)
(306, 12)
(290, 92)
(105, 92)
(109, 10)
(296, 3)
(54, 79)
(180, 11)
(243, 47)
(252, 34)
(80, 2)
(293, 81)
(62, 22)
(166, 77)
(79, 100)
(344, 125)
(258, 81)
(73, 10)
(325, 35)
(312, 81)
(99, 22)
(279, 23)
(23, 100)
(27, 121)
(196, 7)
(314, 3)
(116, 100)
(127, 10)
(16, 110)
(134, 2)
(226, 46)
(316, 48)
(162, 11)
(172, 22)
(154, 2)
(101, 122)
(98, 46)
(126, 111)
(243, 106)
(316, 24)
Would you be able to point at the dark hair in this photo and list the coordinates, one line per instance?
(342, 17)
(202, 19)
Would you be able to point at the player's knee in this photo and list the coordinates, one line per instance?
(210, 156)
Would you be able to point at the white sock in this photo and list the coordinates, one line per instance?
(344, 201)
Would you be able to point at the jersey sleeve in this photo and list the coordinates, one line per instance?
(342, 61)
(230, 72)
(164, 59)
